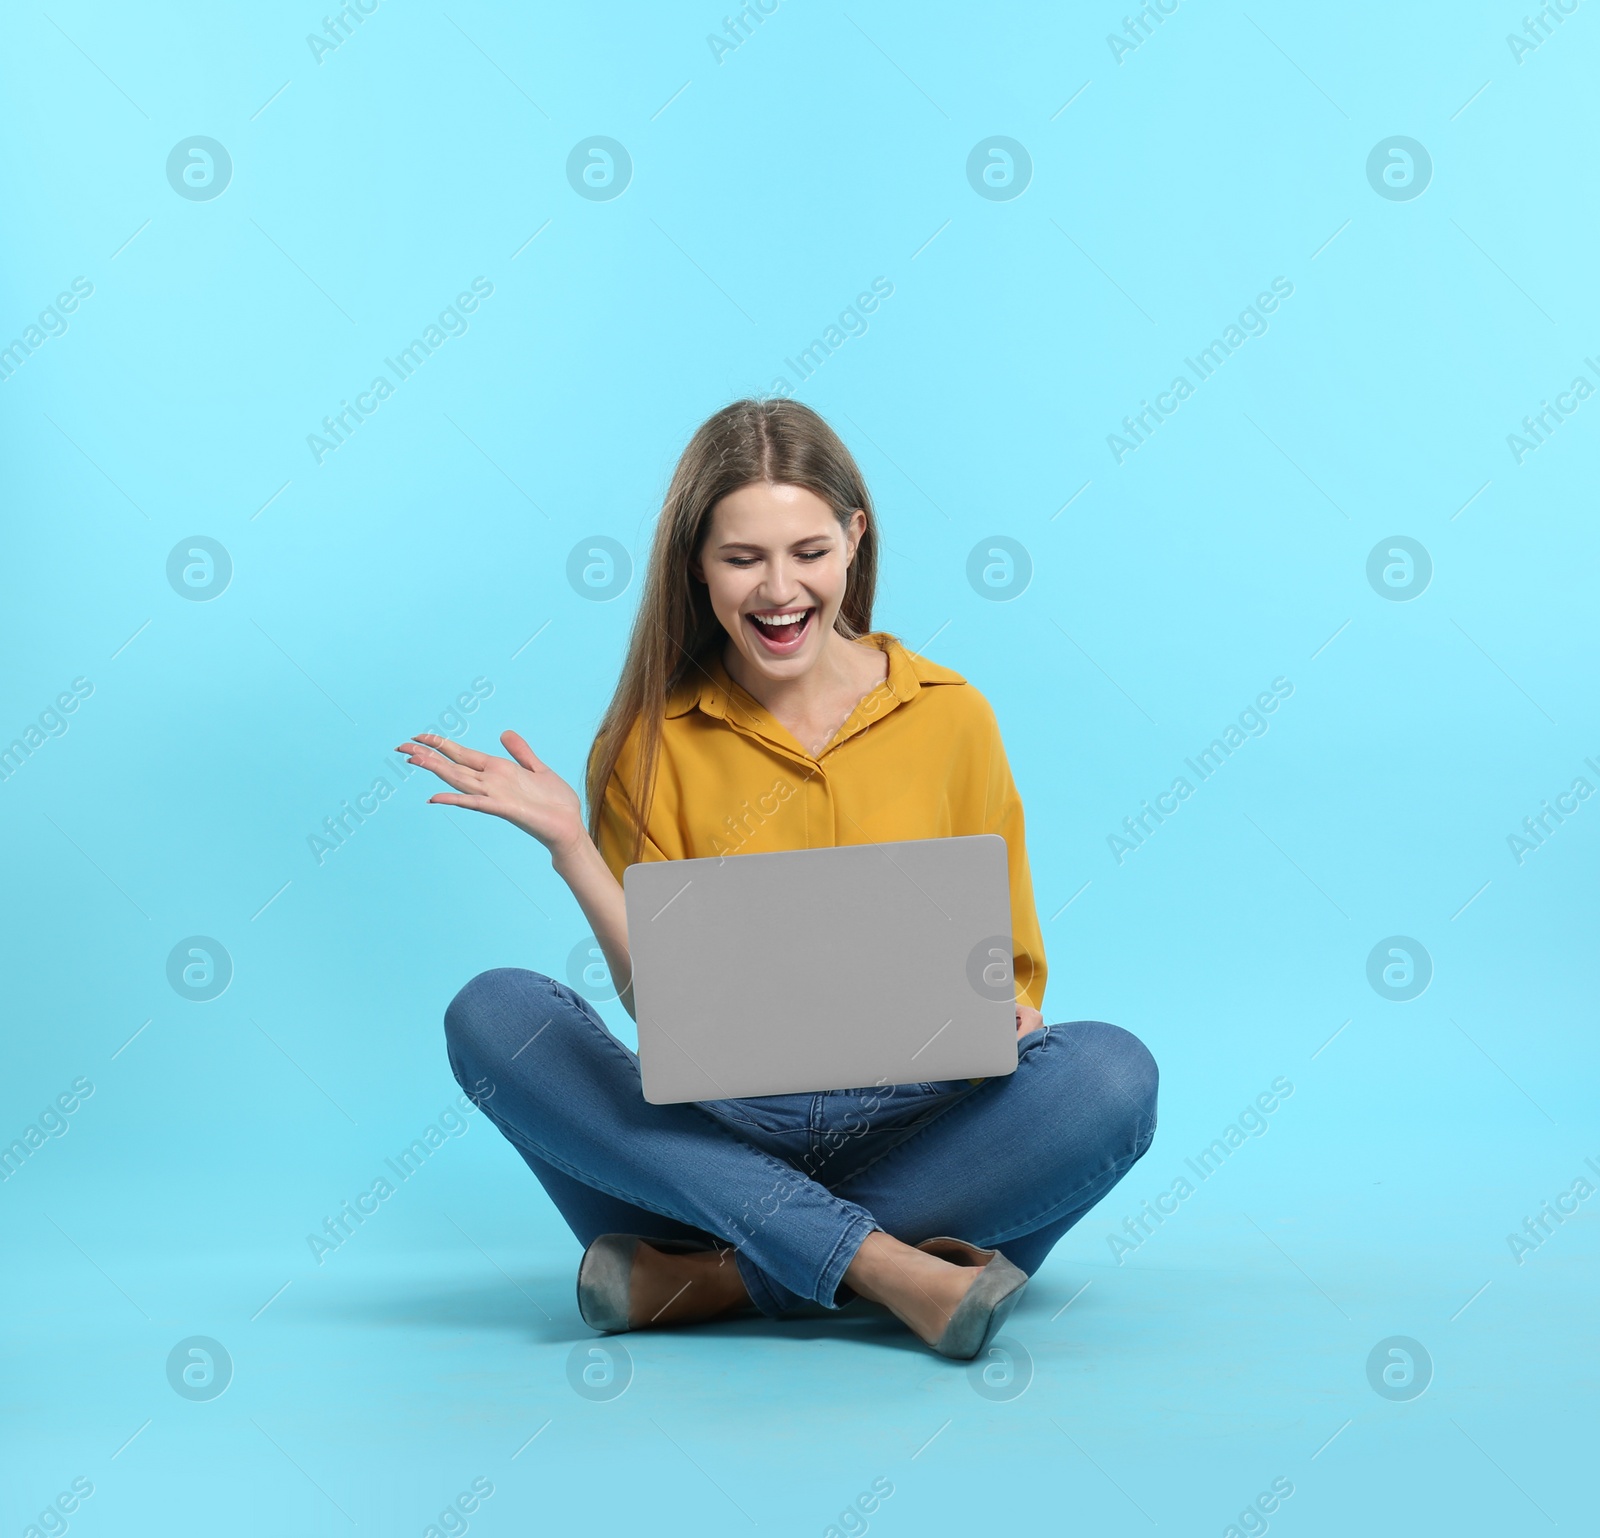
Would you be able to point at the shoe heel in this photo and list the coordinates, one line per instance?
(605, 1277)
(980, 1314)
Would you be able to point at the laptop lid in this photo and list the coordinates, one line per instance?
(817, 969)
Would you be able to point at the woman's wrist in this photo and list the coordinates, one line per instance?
(570, 854)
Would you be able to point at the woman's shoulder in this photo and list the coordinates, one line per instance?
(924, 669)
(938, 689)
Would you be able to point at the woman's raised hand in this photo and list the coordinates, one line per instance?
(526, 793)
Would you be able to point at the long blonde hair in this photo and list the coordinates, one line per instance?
(781, 443)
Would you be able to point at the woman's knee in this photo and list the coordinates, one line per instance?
(1121, 1074)
(1133, 1068)
(481, 1021)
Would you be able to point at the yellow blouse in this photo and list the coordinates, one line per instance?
(919, 757)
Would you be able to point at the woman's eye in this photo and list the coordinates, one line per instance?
(750, 560)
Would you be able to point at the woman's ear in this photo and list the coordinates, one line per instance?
(852, 534)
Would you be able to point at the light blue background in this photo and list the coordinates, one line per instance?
(1167, 591)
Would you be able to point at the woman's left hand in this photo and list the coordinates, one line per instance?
(1028, 1020)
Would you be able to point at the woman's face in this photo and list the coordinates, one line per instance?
(775, 563)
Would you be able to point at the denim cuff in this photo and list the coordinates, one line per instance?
(775, 1300)
(768, 1296)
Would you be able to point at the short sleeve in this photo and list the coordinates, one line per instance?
(617, 818)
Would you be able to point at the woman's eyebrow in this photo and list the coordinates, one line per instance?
(740, 544)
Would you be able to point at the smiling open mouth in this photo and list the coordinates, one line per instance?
(782, 633)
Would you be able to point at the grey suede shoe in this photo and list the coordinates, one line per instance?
(989, 1300)
(605, 1277)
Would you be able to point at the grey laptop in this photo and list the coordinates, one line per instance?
(815, 969)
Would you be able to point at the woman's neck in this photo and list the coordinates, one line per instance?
(819, 700)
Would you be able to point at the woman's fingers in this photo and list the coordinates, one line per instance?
(482, 780)
(452, 774)
(423, 756)
(469, 758)
(519, 750)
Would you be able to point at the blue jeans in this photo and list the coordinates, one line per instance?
(795, 1182)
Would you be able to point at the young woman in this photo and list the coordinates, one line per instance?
(759, 710)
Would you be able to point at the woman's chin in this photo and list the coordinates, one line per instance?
(792, 666)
